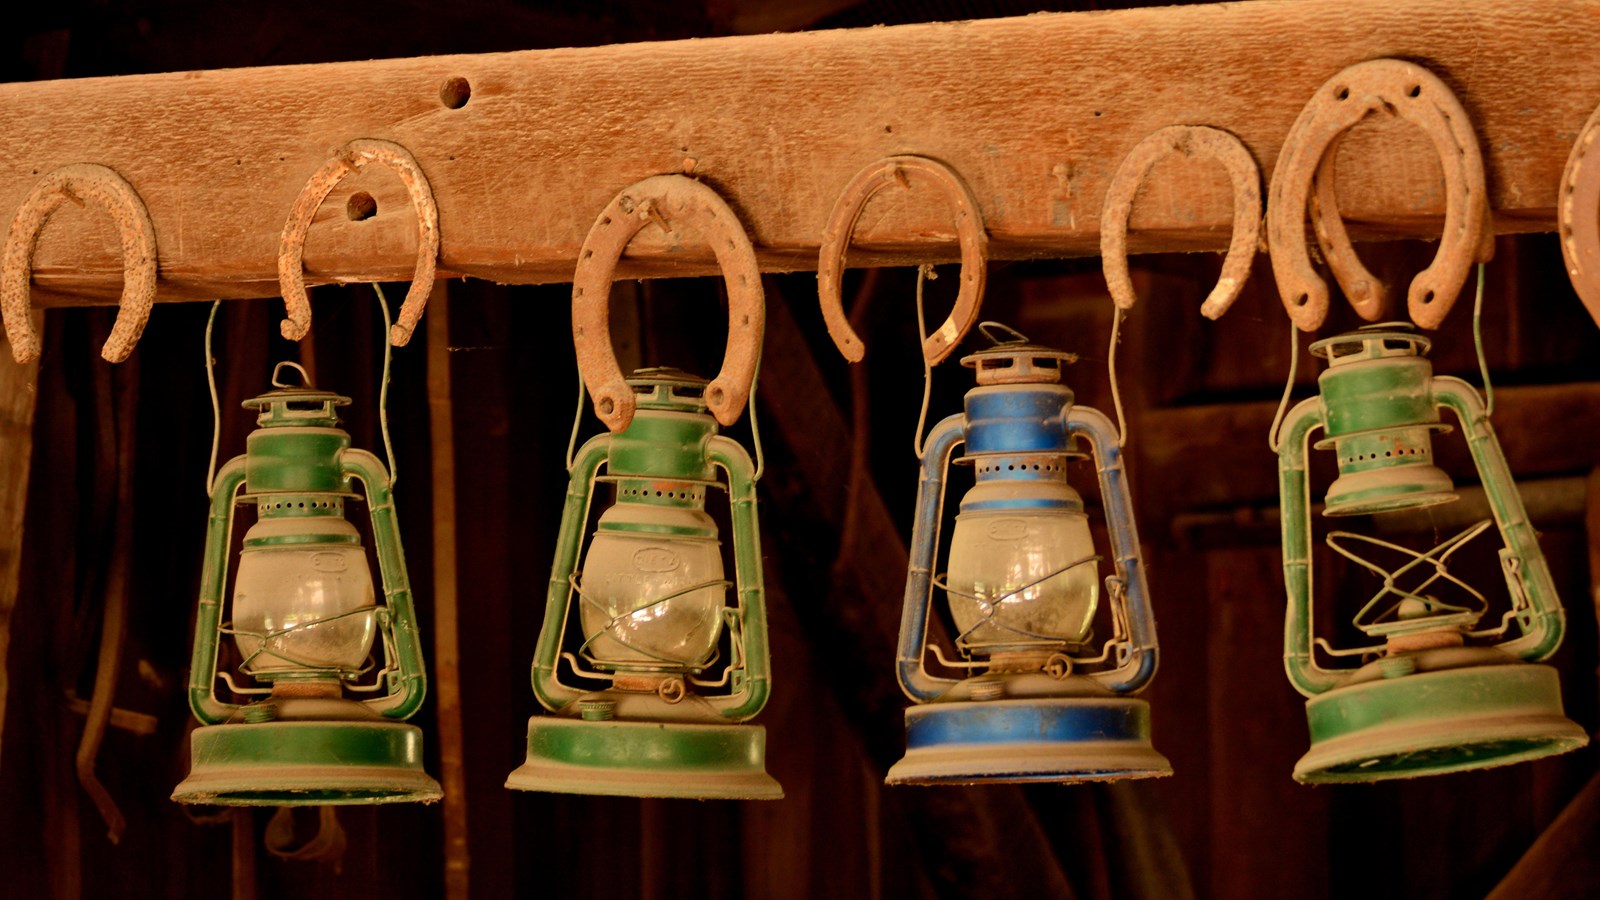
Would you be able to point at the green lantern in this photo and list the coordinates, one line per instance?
(650, 690)
(1435, 696)
(304, 618)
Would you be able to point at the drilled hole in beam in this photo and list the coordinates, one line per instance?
(455, 92)
(360, 207)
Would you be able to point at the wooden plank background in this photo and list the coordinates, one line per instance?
(1036, 112)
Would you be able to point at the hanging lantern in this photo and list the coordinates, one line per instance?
(304, 618)
(1023, 587)
(1428, 702)
(650, 689)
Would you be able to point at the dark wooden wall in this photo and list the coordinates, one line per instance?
(835, 502)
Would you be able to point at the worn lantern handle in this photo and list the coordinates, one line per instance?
(81, 182)
(672, 201)
(974, 241)
(1579, 210)
(352, 157)
(1413, 93)
(1198, 142)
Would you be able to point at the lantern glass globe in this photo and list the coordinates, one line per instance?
(1008, 590)
(303, 605)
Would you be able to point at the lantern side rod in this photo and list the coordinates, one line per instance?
(1544, 623)
(1135, 670)
(409, 686)
(915, 680)
(1294, 492)
(213, 579)
(748, 699)
(551, 693)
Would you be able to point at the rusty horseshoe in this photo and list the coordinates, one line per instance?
(898, 170)
(1199, 142)
(80, 182)
(1413, 93)
(350, 158)
(1579, 211)
(672, 201)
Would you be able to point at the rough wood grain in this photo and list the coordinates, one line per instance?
(1035, 112)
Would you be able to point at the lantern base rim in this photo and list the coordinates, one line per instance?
(306, 764)
(646, 759)
(1432, 723)
(1033, 740)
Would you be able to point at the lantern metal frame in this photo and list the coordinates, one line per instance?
(1429, 703)
(1071, 718)
(305, 743)
(650, 733)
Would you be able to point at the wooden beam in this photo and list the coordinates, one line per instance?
(1036, 112)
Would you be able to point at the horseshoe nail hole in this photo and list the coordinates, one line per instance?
(1427, 298)
(360, 207)
(1414, 91)
(888, 129)
(714, 395)
(1302, 299)
(1342, 93)
(455, 92)
(1098, 114)
(607, 406)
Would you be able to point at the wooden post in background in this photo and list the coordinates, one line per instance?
(18, 393)
(446, 645)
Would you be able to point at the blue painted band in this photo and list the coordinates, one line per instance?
(1017, 419)
(1012, 721)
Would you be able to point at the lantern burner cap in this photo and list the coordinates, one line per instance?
(295, 404)
(663, 387)
(1017, 360)
(1383, 340)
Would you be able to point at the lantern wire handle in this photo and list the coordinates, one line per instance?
(383, 389)
(755, 427)
(1477, 339)
(1288, 388)
(925, 273)
(1111, 370)
(577, 420)
(216, 406)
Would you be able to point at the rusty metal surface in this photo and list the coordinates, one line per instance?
(974, 240)
(670, 201)
(80, 182)
(351, 158)
(1199, 142)
(1304, 176)
(1578, 210)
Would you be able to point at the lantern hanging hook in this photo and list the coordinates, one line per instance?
(677, 200)
(1578, 206)
(1195, 142)
(291, 250)
(110, 191)
(1304, 180)
(846, 214)
(1198, 142)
